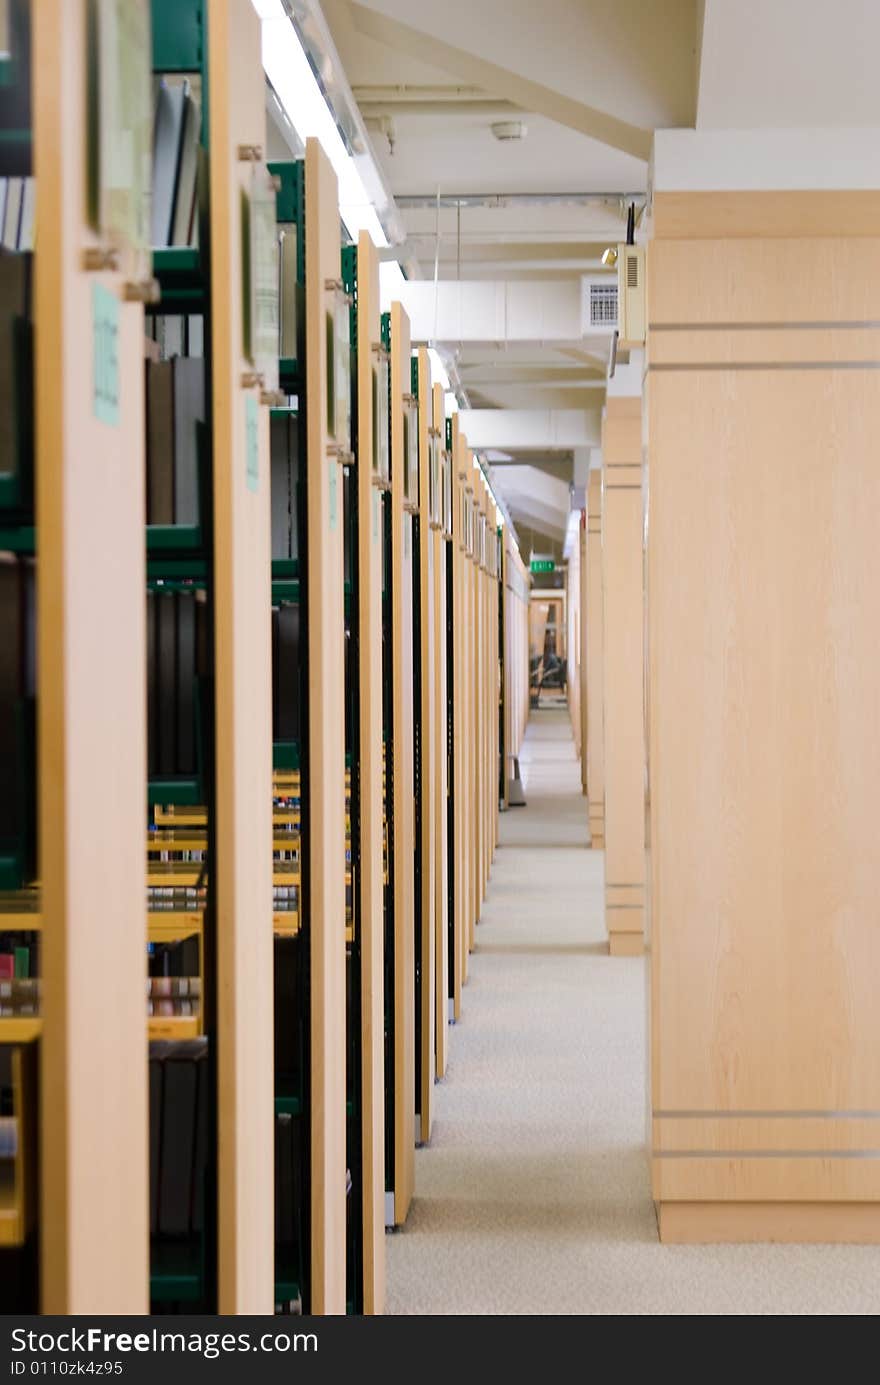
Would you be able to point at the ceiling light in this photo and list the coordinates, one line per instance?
(290, 72)
(509, 129)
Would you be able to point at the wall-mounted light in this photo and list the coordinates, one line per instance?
(289, 70)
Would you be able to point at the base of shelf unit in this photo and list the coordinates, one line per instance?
(20, 1029)
(162, 927)
(174, 1027)
(626, 945)
(168, 792)
(20, 922)
(807, 1223)
(196, 817)
(11, 1227)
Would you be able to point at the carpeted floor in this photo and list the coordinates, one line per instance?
(533, 1196)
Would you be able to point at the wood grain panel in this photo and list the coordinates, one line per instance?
(799, 213)
(243, 701)
(623, 666)
(402, 559)
(779, 346)
(583, 570)
(595, 672)
(694, 1223)
(765, 739)
(622, 943)
(752, 282)
(428, 921)
(463, 687)
(769, 1177)
(441, 786)
(326, 783)
(91, 730)
(458, 728)
(749, 1133)
(372, 922)
(479, 682)
(573, 641)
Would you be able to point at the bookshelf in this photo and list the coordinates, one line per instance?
(371, 493)
(426, 923)
(212, 824)
(208, 525)
(323, 778)
(515, 583)
(458, 794)
(441, 519)
(400, 919)
(316, 740)
(93, 1203)
(181, 797)
(291, 818)
(21, 917)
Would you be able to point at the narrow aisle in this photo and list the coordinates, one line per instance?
(524, 1182)
(534, 1195)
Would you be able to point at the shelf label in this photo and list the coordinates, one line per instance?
(105, 355)
(260, 253)
(333, 483)
(252, 442)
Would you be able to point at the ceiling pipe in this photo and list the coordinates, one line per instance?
(520, 199)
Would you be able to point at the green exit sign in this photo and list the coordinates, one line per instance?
(542, 565)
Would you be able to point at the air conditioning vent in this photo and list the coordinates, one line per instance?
(603, 305)
(632, 271)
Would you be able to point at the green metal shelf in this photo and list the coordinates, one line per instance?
(11, 870)
(288, 378)
(23, 540)
(173, 538)
(284, 568)
(285, 755)
(286, 591)
(288, 1106)
(180, 792)
(176, 1273)
(180, 273)
(178, 35)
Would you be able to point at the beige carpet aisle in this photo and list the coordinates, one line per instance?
(533, 1195)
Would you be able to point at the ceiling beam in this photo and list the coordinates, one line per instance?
(521, 429)
(530, 96)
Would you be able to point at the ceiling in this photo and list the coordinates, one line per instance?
(589, 82)
(430, 82)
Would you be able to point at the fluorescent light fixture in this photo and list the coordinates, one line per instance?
(288, 69)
